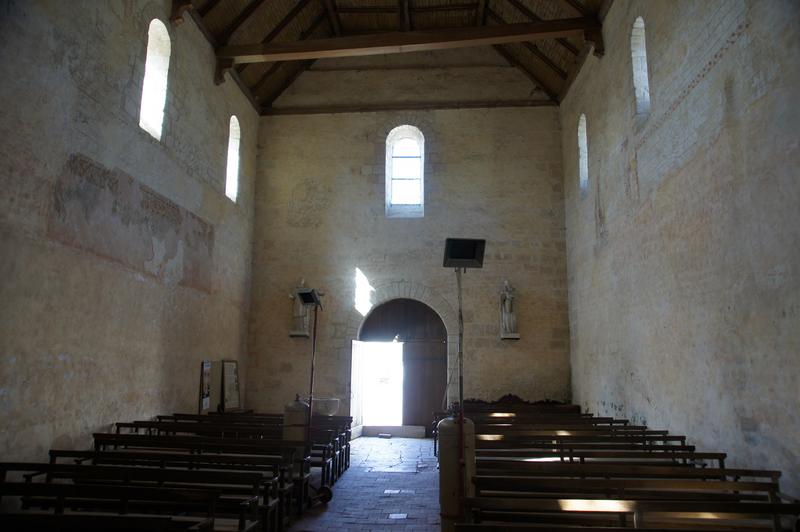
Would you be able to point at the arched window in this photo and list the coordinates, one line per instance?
(154, 87)
(641, 85)
(232, 174)
(405, 163)
(583, 155)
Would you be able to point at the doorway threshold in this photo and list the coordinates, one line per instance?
(402, 431)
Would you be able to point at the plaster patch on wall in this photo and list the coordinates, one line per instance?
(110, 214)
(308, 201)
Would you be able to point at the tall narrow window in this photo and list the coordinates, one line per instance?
(154, 87)
(232, 174)
(641, 85)
(405, 163)
(583, 155)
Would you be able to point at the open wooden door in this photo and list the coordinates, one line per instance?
(424, 339)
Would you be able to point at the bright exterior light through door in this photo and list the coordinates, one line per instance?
(380, 382)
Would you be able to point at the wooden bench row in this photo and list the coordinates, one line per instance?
(560, 469)
(195, 474)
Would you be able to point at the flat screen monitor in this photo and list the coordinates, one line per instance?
(464, 253)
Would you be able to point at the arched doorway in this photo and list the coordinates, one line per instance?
(423, 340)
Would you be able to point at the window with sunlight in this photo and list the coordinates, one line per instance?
(641, 84)
(154, 87)
(405, 164)
(583, 156)
(232, 173)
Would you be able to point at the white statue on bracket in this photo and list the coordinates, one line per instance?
(300, 314)
(508, 320)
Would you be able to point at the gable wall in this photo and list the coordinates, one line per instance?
(490, 173)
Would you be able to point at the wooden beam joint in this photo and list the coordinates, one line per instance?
(595, 37)
(223, 66)
(179, 7)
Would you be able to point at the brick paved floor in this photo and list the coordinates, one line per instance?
(392, 484)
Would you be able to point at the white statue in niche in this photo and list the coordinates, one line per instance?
(508, 320)
(300, 315)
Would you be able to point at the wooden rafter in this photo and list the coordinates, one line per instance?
(206, 9)
(371, 10)
(480, 13)
(513, 61)
(286, 84)
(275, 66)
(401, 42)
(470, 6)
(294, 12)
(522, 8)
(574, 72)
(403, 20)
(532, 48)
(236, 23)
(333, 16)
(579, 7)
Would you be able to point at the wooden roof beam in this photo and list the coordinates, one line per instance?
(275, 66)
(286, 84)
(299, 6)
(581, 9)
(206, 9)
(522, 8)
(333, 16)
(532, 48)
(513, 61)
(403, 16)
(231, 28)
(480, 14)
(401, 42)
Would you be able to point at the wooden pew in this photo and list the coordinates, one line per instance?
(624, 457)
(471, 407)
(696, 515)
(626, 488)
(240, 492)
(340, 423)
(275, 475)
(202, 445)
(602, 470)
(521, 437)
(80, 522)
(325, 451)
(82, 501)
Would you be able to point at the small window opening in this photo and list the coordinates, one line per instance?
(583, 155)
(405, 163)
(641, 84)
(154, 87)
(232, 173)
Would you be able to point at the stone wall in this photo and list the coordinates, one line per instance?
(489, 173)
(684, 288)
(123, 263)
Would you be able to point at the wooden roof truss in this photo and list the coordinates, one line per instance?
(266, 45)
